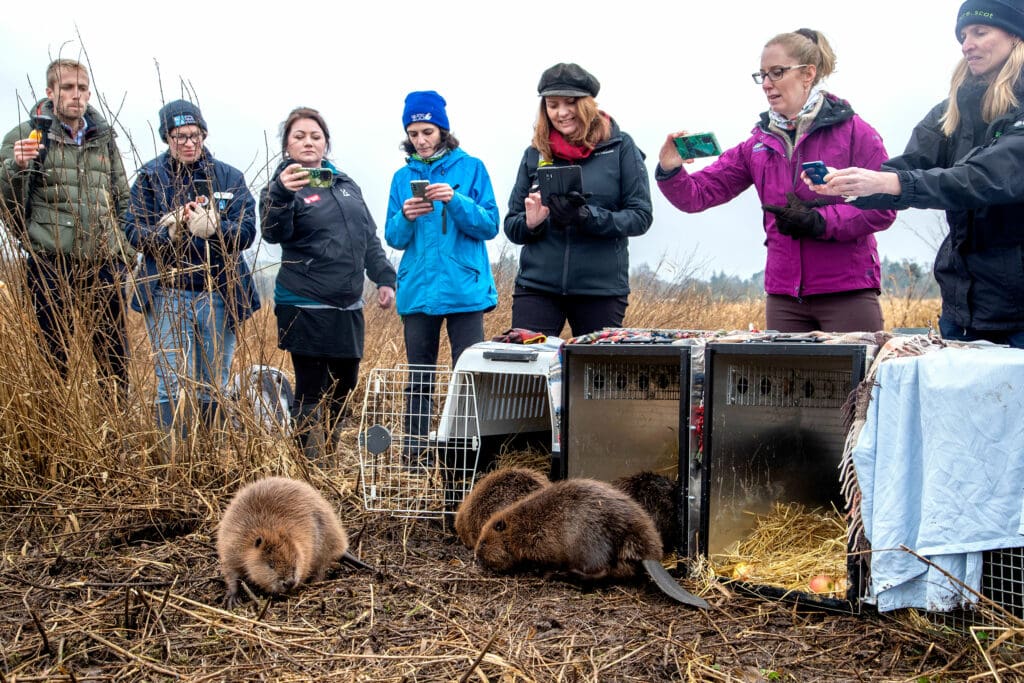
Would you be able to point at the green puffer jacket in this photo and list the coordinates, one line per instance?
(79, 201)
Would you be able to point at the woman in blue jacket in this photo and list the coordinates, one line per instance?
(191, 217)
(445, 274)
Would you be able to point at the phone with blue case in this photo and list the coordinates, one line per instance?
(816, 171)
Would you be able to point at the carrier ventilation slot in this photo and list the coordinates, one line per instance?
(631, 381)
(757, 385)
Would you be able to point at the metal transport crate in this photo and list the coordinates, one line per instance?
(630, 408)
(774, 433)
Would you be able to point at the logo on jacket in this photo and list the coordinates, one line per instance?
(758, 147)
(344, 193)
(311, 199)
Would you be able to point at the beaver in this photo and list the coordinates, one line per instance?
(278, 533)
(658, 495)
(586, 527)
(495, 490)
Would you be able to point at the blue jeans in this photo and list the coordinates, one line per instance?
(193, 344)
(1014, 338)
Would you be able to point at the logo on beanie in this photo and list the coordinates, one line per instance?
(184, 120)
(977, 13)
(421, 117)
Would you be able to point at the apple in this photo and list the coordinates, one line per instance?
(822, 583)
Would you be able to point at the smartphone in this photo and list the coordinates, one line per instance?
(559, 180)
(419, 190)
(816, 171)
(320, 177)
(698, 145)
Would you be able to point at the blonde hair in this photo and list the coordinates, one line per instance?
(593, 127)
(55, 67)
(999, 97)
(808, 46)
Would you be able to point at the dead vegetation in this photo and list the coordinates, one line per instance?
(108, 567)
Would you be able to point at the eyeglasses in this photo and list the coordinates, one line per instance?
(775, 73)
(194, 138)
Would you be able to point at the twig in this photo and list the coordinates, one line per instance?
(479, 658)
(39, 625)
(131, 655)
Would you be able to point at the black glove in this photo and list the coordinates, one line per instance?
(568, 209)
(798, 218)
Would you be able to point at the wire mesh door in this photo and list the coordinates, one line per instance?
(419, 440)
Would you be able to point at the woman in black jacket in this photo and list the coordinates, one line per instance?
(328, 241)
(574, 264)
(967, 157)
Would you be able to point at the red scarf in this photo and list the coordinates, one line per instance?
(563, 149)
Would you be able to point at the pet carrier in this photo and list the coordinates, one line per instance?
(774, 437)
(631, 408)
(426, 430)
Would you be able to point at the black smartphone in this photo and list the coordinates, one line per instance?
(816, 171)
(320, 177)
(559, 180)
(698, 145)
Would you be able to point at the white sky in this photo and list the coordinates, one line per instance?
(660, 70)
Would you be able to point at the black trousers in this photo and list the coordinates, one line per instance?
(547, 313)
(60, 288)
(422, 340)
(318, 378)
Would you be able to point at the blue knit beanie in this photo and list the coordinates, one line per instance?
(425, 106)
(1005, 14)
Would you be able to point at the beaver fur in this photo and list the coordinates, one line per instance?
(658, 495)
(586, 527)
(278, 533)
(495, 490)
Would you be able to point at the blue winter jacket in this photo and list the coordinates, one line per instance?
(445, 268)
(163, 185)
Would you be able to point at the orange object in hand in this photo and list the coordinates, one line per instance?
(36, 135)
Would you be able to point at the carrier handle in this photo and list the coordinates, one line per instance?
(511, 356)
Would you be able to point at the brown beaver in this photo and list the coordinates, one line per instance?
(658, 495)
(494, 491)
(278, 533)
(586, 527)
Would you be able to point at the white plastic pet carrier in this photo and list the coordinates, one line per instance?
(424, 429)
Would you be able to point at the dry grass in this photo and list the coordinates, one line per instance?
(108, 568)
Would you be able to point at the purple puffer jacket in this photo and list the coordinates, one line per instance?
(845, 258)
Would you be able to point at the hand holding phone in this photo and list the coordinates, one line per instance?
(816, 171)
(320, 177)
(559, 180)
(698, 145)
(419, 191)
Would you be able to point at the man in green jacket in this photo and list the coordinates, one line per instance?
(64, 192)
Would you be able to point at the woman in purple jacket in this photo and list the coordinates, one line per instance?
(822, 271)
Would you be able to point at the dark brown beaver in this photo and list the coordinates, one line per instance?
(494, 491)
(658, 495)
(278, 533)
(583, 526)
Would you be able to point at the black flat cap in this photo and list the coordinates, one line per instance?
(568, 80)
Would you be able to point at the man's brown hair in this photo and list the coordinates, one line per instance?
(53, 71)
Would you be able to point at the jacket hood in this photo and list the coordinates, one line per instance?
(833, 110)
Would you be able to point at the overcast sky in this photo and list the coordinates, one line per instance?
(660, 70)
